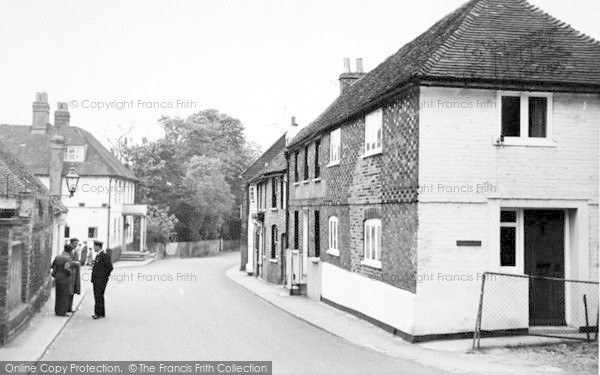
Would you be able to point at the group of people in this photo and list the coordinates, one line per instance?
(67, 276)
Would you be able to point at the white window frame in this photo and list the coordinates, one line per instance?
(334, 236)
(524, 139)
(74, 154)
(373, 126)
(335, 147)
(372, 236)
(519, 266)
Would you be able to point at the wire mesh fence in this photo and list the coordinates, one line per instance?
(536, 305)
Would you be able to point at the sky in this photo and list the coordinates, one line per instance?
(121, 65)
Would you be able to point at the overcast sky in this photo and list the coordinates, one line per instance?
(259, 61)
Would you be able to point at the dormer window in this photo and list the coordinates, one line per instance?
(75, 153)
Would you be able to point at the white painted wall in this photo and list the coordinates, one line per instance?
(378, 300)
(464, 181)
(93, 192)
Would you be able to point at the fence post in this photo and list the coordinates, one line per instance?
(477, 333)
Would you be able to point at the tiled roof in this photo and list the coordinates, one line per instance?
(15, 177)
(494, 41)
(277, 165)
(34, 150)
(272, 158)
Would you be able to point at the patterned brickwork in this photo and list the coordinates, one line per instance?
(272, 267)
(359, 188)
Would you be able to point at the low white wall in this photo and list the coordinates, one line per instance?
(375, 299)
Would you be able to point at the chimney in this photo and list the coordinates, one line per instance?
(62, 116)
(348, 78)
(57, 144)
(41, 111)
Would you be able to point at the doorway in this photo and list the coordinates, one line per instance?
(544, 250)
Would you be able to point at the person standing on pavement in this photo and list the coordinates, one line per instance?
(75, 284)
(100, 273)
(62, 281)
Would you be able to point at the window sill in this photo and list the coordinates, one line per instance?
(372, 153)
(296, 183)
(273, 260)
(318, 179)
(333, 164)
(314, 260)
(334, 252)
(527, 142)
(305, 181)
(273, 208)
(371, 263)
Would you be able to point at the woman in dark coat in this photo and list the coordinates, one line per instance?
(62, 281)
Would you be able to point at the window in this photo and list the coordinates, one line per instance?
(273, 193)
(274, 242)
(67, 232)
(335, 146)
(508, 238)
(282, 192)
(525, 118)
(372, 243)
(92, 232)
(296, 230)
(306, 162)
(373, 129)
(317, 234)
(74, 153)
(317, 167)
(333, 236)
(251, 194)
(296, 178)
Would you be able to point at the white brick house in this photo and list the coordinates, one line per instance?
(485, 160)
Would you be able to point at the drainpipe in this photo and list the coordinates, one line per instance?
(108, 215)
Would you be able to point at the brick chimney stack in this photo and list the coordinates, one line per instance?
(57, 145)
(41, 112)
(347, 78)
(62, 116)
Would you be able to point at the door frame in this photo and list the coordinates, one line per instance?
(577, 232)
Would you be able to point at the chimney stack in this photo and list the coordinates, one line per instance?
(41, 112)
(348, 78)
(57, 145)
(62, 116)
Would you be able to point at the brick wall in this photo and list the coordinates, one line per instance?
(381, 186)
(34, 231)
(272, 267)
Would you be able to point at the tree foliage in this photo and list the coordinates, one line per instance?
(194, 171)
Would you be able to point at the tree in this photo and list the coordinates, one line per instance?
(160, 225)
(193, 171)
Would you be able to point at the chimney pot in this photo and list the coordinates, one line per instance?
(41, 112)
(359, 65)
(347, 65)
(62, 116)
(294, 121)
(348, 78)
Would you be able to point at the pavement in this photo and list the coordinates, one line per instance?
(449, 355)
(43, 328)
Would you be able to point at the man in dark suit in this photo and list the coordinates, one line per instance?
(100, 273)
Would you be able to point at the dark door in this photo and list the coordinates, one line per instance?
(545, 256)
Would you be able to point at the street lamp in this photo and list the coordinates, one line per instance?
(72, 179)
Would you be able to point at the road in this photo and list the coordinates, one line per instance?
(187, 309)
